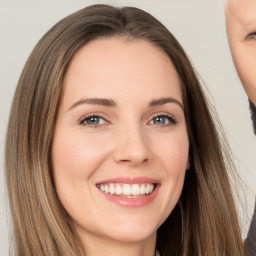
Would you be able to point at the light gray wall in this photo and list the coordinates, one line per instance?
(198, 25)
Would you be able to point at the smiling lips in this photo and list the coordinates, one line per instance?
(132, 190)
(129, 192)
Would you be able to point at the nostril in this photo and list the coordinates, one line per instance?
(134, 162)
(125, 161)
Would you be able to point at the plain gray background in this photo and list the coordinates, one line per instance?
(199, 26)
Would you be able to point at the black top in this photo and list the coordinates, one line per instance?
(251, 237)
(253, 116)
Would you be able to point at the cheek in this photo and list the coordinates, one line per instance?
(174, 158)
(245, 62)
(175, 154)
(74, 159)
(74, 156)
(175, 165)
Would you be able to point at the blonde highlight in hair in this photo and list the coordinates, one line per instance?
(204, 222)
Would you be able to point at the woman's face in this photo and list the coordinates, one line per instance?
(120, 149)
(241, 30)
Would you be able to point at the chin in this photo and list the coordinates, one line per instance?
(133, 236)
(131, 232)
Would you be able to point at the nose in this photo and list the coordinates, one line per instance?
(132, 147)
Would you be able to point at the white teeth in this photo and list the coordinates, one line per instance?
(147, 189)
(118, 190)
(112, 189)
(106, 189)
(142, 190)
(135, 190)
(102, 188)
(127, 189)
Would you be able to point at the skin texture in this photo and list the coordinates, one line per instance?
(127, 143)
(241, 31)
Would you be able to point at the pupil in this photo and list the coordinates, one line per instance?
(93, 120)
(160, 120)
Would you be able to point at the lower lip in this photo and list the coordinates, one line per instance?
(132, 202)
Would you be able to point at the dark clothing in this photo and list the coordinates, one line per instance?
(251, 237)
(253, 116)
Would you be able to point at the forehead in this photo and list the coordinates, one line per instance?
(117, 54)
(244, 11)
(120, 65)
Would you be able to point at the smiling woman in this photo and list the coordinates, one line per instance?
(111, 148)
(112, 151)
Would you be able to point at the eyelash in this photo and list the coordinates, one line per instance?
(251, 36)
(87, 118)
(171, 119)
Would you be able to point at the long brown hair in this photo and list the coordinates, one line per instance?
(204, 222)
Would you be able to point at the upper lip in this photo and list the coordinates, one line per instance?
(130, 180)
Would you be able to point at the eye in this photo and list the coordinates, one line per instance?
(251, 36)
(93, 120)
(163, 120)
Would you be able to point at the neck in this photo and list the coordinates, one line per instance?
(98, 246)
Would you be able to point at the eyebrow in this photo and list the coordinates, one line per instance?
(162, 101)
(94, 101)
(111, 103)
